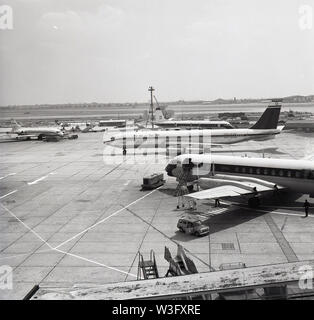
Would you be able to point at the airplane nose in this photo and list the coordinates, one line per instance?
(169, 168)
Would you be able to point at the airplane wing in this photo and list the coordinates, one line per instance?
(217, 192)
(227, 190)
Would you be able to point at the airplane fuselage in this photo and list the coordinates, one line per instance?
(165, 138)
(295, 175)
(193, 124)
(39, 132)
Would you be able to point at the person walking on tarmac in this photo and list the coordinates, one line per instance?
(217, 202)
(182, 179)
(181, 191)
(306, 208)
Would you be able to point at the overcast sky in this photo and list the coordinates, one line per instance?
(63, 51)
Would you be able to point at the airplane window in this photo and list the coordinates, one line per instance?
(281, 173)
(297, 174)
(225, 168)
(265, 171)
(243, 169)
(236, 169)
(310, 174)
(304, 174)
(258, 171)
(289, 173)
(273, 172)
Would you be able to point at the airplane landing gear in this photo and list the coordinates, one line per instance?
(190, 187)
(254, 202)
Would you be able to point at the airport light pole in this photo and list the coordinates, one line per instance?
(151, 89)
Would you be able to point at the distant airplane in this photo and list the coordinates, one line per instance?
(75, 126)
(265, 128)
(161, 122)
(26, 133)
(230, 176)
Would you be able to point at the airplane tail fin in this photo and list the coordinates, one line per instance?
(159, 116)
(15, 125)
(269, 119)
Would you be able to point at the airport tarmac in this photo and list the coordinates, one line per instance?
(70, 216)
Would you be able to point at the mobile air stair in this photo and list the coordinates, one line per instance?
(180, 264)
(147, 268)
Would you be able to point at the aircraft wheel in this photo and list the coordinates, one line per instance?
(190, 188)
(254, 202)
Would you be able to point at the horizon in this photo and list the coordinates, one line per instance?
(260, 100)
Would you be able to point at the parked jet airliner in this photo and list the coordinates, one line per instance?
(23, 133)
(265, 128)
(230, 176)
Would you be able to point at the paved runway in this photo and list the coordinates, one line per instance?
(70, 216)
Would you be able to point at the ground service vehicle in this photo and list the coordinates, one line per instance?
(192, 226)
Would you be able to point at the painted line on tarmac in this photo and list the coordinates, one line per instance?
(24, 254)
(103, 220)
(58, 250)
(25, 225)
(8, 194)
(95, 262)
(281, 240)
(40, 179)
(8, 175)
(169, 238)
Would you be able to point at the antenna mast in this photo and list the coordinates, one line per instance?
(151, 89)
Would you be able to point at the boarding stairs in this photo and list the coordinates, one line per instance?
(147, 268)
(180, 264)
